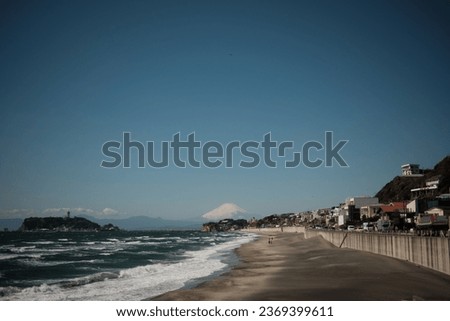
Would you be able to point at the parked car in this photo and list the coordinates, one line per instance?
(351, 228)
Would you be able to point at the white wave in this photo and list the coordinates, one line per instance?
(147, 252)
(41, 242)
(9, 256)
(141, 238)
(96, 248)
(59, 250)
(133, 242)
(26, 256)
(35, 261)
(165, 238)
(139, 282)
(94, 261)
(21, 249)
(154, 243)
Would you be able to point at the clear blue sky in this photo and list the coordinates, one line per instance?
(75, 74)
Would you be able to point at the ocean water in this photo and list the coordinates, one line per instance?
(124, 265)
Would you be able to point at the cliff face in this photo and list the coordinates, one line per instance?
(61, 224)
(399, 188)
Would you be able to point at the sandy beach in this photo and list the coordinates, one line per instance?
(295, 268)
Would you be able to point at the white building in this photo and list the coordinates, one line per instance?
(411, 170)
(359, 201)
(370, 210)
(436, 211)
(352, 207)
(340, 214)
(411, 207)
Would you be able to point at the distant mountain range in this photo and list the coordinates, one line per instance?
(148, 223)
(131, 223)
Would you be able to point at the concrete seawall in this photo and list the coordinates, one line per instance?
(287, 229)
(431, 252)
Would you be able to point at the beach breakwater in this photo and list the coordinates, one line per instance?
(430, 252)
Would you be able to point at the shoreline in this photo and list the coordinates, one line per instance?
(294, 268)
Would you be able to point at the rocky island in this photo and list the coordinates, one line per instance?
(63, 224)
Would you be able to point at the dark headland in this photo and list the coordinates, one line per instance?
(63, 224)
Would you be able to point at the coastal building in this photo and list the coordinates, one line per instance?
(411, 207)
(393, 211)
(429, 190)
(339, 214)
(394, 207)
(411, 170)
(352, 206)
(438, 211)
(370, 210)
(359, 201)
(306, 216)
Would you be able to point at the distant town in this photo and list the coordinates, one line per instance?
(415, 202)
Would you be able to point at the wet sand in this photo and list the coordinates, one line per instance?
(295, 268)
